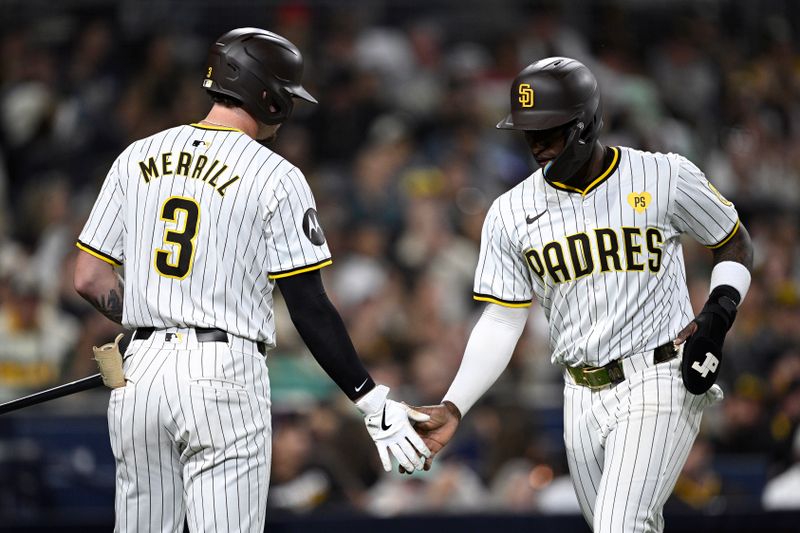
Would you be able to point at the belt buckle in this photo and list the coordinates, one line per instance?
(664, 353)
(596, 378)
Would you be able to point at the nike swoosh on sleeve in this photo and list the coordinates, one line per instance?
(362, 385)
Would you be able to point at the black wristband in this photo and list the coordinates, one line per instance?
(725, 290)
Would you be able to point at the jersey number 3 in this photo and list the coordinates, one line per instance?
(182, 238)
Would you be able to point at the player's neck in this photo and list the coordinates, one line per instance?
(232, 117)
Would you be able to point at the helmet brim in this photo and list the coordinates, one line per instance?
(539, 120)
(298, 91)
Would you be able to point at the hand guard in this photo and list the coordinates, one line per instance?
(388, 424)
(702, 353)
(109, 361)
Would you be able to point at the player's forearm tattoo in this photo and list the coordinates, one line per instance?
(110, 304)
(739, 249)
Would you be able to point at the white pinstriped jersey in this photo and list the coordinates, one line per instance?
(606, 264)
(199, 215)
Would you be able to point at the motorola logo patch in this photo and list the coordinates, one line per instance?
(312, 228)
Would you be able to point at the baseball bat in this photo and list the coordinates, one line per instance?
(66, 389)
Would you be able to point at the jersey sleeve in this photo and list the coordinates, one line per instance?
(502, 276)
(103, 235)
(700, 210)
(297, 241)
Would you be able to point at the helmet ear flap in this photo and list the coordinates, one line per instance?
(276, 106)
(577, 151)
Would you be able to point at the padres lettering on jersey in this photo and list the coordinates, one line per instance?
(197, 214)
(606, 263)
(599, 251)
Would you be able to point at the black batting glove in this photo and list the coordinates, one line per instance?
(702, 354)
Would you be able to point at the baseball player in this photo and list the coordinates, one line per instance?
(207, 220)
(594, 236)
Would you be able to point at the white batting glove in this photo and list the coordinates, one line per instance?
(388, 424)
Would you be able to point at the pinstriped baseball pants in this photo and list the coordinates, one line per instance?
(627, 444)
(191, 435)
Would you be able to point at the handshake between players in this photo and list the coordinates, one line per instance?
(413, 435)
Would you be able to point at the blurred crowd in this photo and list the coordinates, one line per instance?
(404, 160)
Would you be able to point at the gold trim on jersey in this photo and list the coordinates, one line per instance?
(301, 270)
(498, 301)
(564, 186)
(593, 185)
(97, 253)
(726, 239)
(214, 128)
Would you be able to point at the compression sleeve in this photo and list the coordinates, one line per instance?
(488, 352)
(321, 328)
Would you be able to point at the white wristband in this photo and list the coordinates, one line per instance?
(373, 401)
(731, 273)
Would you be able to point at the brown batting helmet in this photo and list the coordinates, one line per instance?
(260, 69)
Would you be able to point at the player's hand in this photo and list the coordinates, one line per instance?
(704, 337)
(388, 424)
(439, 429)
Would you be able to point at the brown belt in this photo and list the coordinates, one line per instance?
(598, 377)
